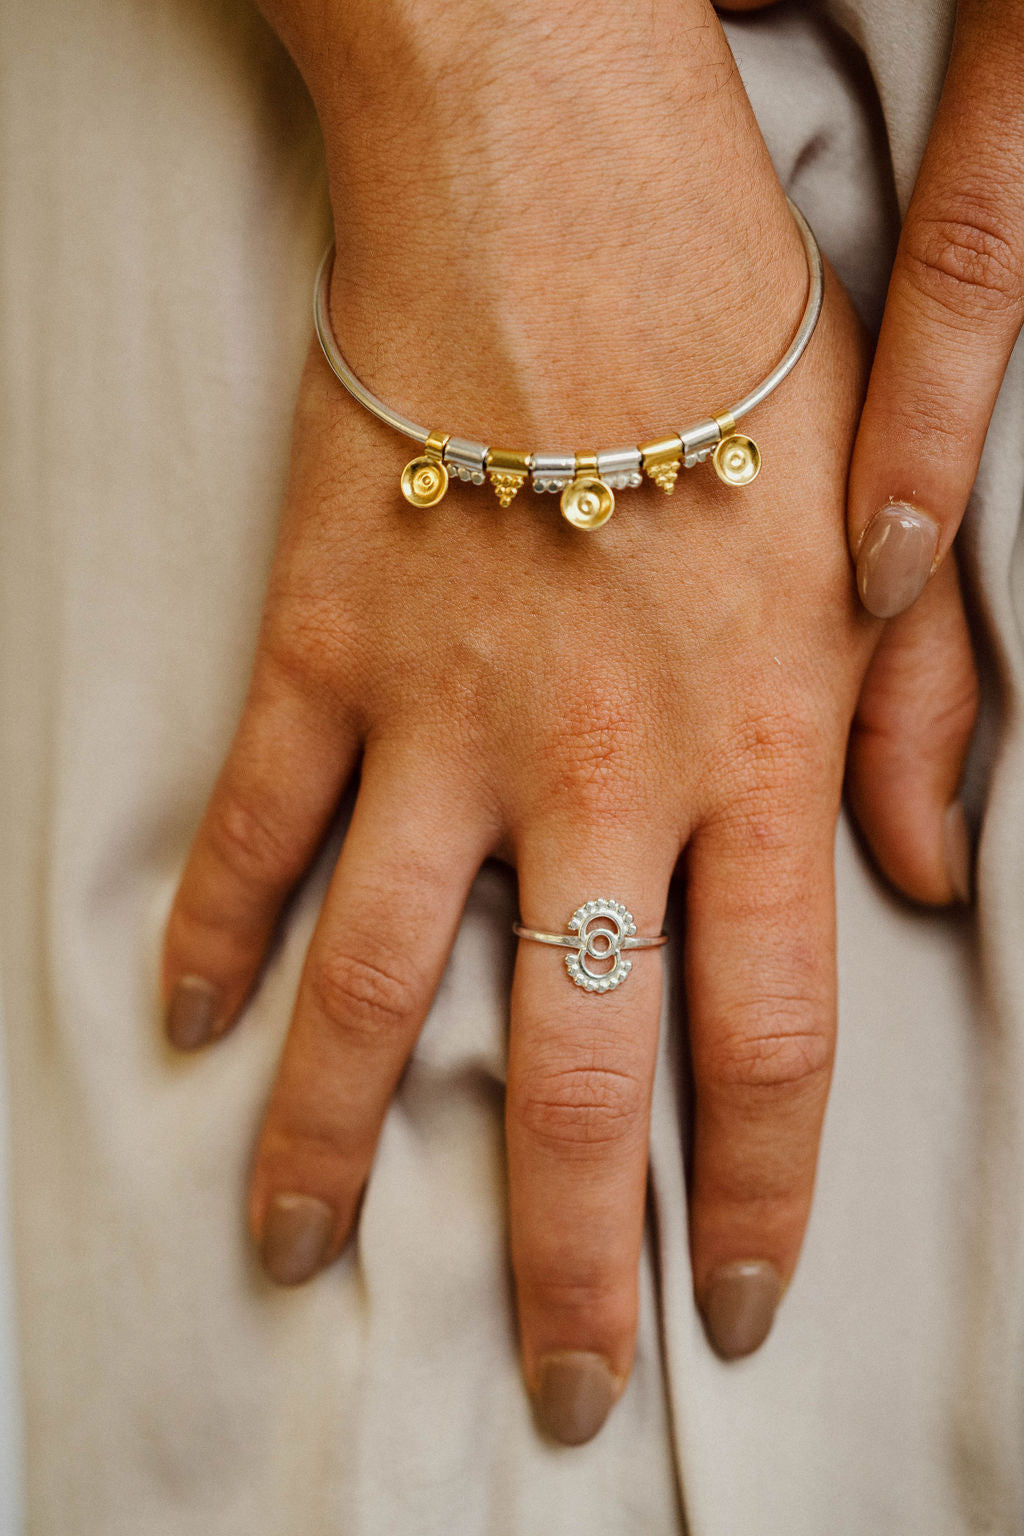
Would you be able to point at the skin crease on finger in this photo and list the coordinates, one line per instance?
(688, 673)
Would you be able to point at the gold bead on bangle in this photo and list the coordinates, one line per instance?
(507, 471)
(661, 460)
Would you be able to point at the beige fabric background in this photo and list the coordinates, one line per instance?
(162, 210)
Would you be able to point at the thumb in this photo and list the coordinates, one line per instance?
(908, 743)
(954, 310)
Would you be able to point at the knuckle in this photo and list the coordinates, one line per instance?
(591, 750)
(930, 417)
(964, 263)
(246, 831)
(771, 1045)
(579, 1109)
(948, 719)
(769, 754)
(955, 716)
(311, 652)
(777, 783)
(370, 994)
(756, 827)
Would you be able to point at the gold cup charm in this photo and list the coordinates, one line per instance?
(587, 502)
(424, 481)
(737, 459)
(425, 478)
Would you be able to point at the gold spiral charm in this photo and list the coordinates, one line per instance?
(424, 481)
(737, 459)
(587, 503)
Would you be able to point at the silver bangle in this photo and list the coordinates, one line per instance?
(585, 481)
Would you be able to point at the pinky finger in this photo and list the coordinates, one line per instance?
(271, 805)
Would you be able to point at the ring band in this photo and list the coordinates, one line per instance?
(598, 930)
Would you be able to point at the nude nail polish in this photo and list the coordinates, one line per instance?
(575, 1393)
(739, 1306)
(895, 559)
(192, 1013)
(296, 1241)
(956, 846)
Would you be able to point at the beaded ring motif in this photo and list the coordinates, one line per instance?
(586, 482)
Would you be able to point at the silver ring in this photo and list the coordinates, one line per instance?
(599, 930)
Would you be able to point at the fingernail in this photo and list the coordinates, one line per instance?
(739, 1306)
(296, 1239)
(575, 1392)
(956, 842)
(192, 1013)
(895, 559)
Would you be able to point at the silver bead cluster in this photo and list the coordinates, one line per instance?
(621, 468)
(465, 460)
(552, 471)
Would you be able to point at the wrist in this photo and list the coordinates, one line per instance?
(371, 48)
(406, 96)
(522, 219)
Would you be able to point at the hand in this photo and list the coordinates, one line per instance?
(586, 707)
